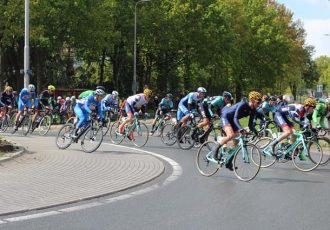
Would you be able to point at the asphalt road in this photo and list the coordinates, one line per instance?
(279, 198)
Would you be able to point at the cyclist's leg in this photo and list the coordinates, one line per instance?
(19, 113)
(130, 114)
(157, 114)
(287, 128)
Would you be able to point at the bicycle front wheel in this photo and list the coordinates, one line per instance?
(306, 160)
(44, 125)
(325, 144)
(204, 165)
(63, 139)
(92, 139)
(140, 135)
(26, 124)
(168, 134)
(185, 140)
(245, 168)
(267, 159)
(115, 137)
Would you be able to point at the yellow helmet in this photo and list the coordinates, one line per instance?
(147, 92)
(310, 102)
(255, 95)
(51, 87)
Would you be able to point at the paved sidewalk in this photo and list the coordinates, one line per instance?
(45, 176)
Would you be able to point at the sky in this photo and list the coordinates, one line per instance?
(315, 15)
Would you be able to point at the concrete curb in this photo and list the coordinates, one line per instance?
(19, 151)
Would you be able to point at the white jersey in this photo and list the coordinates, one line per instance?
(137, 101)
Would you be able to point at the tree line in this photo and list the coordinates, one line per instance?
(234, 45)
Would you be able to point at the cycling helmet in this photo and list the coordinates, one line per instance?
(100, 87)
(73, 98)
(169, 95)
(100, 92)
(31, 88)
(201, 90)
(255, 95)
(272, 98)
(227, 94)
(147, 92)
(59, 98)
(327, 101)
(68, 99)
(51, 87)
(310, 102)
(115, 93)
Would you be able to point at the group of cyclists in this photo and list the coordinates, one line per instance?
(256, 106)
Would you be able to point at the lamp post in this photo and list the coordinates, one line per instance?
(26, 45)
(134, 71)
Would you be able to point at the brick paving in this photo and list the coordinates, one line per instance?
(45, 176)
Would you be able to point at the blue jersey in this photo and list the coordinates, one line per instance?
(191, 98)
(111, 102)
(165, 104)
(25, 97)
(89, 104)
(265, 108)
(238, 111)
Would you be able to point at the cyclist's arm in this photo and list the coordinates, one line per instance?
(238, 111)
(315, 115)
(86, 105)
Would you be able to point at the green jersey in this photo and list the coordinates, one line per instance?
(320, 111)
(86, 93)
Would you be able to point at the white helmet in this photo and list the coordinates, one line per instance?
(59, 98)
(67, 98)
(201, 90)
(31, 88)
(100, 92)
(115, 93)
(73, 98)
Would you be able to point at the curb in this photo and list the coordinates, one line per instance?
(12, 155)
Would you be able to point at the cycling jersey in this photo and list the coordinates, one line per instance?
(217, 103)
(320, 111)
(86, 93)
(186, 104)
(136, 102)
(84, 107)
(294, 111)
(165, 106)
(24, 99)
(232, 114)
(110, 102)
(7, 99)
(44, 98)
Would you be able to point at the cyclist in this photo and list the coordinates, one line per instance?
(164, 108)
(86, 106)
(65, 110)
(132, 106)
(321, 111)
(110, 102)
(43, 102)
(268, 106)
(7, 100)
(298, 113)
(230, 121)
(25, 96)
(90, 92)
(187, 103)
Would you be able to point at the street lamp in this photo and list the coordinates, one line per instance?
(26, 45)
(134, 71)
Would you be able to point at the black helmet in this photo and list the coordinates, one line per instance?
(100, 87)
(272, 98)
(227, 94)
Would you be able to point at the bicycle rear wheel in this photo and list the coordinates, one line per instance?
(267, 160)
(106, 129)
(245, 168)
(44, 125)
(168, 134)
(204, 165)
(71, 120)
(92, 139)
(325, 144)
(140, 135)
(306, 160)
(185, 141)
(115, 137)
(63, 139)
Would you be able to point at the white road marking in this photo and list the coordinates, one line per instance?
(177, 172)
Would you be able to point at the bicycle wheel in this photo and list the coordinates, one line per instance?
(185, 141)
(44, 125)
(267, 160)
(168, 134)
(325, 144)
(7, 123)
(106, 129)
(63, 138)
(115, 137)
(26, 124)
(245, 168)
(306, 160)
(92, 139)
(204, 165)
(140, 135)
(71, 120)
